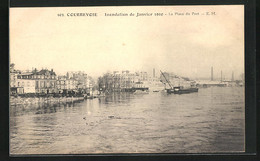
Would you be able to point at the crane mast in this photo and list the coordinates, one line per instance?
(166, 79)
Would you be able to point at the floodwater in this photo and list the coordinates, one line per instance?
(211, 120)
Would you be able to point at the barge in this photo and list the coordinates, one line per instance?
(181, 90)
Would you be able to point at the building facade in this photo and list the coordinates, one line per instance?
(45, 81)
(13, 76)
(26, 86)
(73, 82)
(61, 84)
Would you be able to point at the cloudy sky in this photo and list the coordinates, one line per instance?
(186, 45)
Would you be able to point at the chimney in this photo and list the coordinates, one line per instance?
(211, 73)
(221, 76)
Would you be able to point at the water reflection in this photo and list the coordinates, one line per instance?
(211, 120)
(41, 108)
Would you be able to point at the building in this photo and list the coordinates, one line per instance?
(61, 84)
(121, 81)
(23, 83)
(13, 79)
(116, 81)
(34, 81)
(26, 86)
(127, 79)
(71, 84)
(74, 82)
(45, 81)
(13, 75)
(78, 81)
(141, 76)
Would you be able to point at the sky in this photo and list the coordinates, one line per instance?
(188, 45)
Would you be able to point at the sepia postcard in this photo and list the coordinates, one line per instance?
(127, 79)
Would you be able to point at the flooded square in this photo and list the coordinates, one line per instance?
(211, 120)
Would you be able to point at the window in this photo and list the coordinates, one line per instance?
(42, 84)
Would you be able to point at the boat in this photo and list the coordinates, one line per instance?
(179, 89)
(141, 92)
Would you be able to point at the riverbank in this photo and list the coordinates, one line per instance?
(14, 101)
